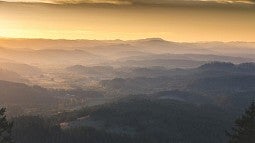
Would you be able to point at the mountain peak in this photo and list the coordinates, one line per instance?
(153, 40)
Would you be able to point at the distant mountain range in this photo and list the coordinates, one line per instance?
(148, 52)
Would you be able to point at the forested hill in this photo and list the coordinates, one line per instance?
(215, 76)
(135, 119)
(22, 94)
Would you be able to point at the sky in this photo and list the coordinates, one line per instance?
(174, 20)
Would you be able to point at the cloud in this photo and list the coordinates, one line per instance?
(237, 1)
(159, 2)
(117, 2)
(129, 2)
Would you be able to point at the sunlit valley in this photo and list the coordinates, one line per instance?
(59, 86)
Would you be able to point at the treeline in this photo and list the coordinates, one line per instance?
(34, 129)
(131, 120)
(135, 120)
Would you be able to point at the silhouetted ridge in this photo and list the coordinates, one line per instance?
(243, 67)
(217, 66)
(153, 39)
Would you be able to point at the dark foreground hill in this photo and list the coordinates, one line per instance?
(135, 119)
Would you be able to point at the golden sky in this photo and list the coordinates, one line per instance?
(183, 20)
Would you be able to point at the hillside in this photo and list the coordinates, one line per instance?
(7, 75)
(24, 95)
(154, 120)
(212, 76)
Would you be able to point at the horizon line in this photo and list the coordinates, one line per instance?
(126, 40)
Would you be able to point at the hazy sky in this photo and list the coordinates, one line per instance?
(182, 20)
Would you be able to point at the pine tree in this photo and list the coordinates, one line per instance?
(244, 129)
(5, 128)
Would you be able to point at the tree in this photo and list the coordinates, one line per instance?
(5, 128)
(244, 129)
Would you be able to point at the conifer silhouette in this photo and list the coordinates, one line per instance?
(244, 128)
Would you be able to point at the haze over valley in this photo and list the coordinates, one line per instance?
(127, 71)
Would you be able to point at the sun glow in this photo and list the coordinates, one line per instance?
(126, 22)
